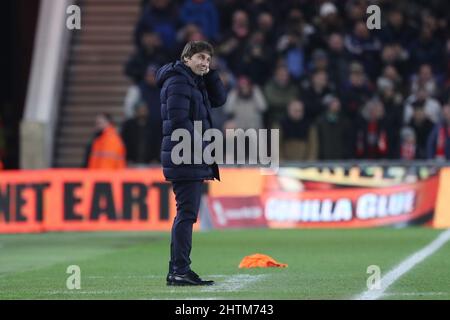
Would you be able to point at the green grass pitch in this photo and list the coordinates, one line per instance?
(323, 264)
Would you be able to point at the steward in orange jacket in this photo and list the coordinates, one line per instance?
(107, 150)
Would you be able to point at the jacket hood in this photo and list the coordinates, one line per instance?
(173, 69)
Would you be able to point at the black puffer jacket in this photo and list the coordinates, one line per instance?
(185, 98)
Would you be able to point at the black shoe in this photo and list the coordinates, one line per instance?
(169, 277)
(189, 278)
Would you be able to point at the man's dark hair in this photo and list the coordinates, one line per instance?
(194, 47)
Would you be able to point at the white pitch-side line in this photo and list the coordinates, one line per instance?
(413, 294)
(234, 283)
(75, 292)
(405, 266)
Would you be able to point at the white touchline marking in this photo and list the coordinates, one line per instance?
(75, 292)
(415, 293)
(127, 277)
(203, 298)
(189, 298)
(234, 283)
(405, 266)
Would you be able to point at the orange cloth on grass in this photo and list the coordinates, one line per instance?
(259, 260)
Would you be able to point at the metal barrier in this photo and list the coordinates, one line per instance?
(45, 84)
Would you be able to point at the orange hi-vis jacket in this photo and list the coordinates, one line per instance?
(108, 151)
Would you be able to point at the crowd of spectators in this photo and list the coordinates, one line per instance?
(313, 69)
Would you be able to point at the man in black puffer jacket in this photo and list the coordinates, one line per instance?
(188, 90)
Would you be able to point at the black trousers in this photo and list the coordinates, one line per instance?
(187, 196)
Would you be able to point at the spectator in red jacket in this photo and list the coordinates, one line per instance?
(372, 138)
(438, 146)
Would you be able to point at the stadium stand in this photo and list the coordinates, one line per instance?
(94, 79)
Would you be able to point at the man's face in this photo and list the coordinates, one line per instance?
(282, 76)
(425, 72)
(151, 41)
(391, 73)
(336, 43)
(419, 114)
(296, 110)
(101, 122)
(320, 79)
(265, 22)
(142, 111)
(422, 94)
(361, 30)
(160, 4)
(334, 106)
(357, 79)
(199, 63)
(244, 86)
(388, 54)
(396, 18)
(446, 112)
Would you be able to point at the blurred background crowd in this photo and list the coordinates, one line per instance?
(334, 88)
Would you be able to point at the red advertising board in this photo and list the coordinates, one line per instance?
(141, 199)
(351, 207)
(236, 212)
(82, 200)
